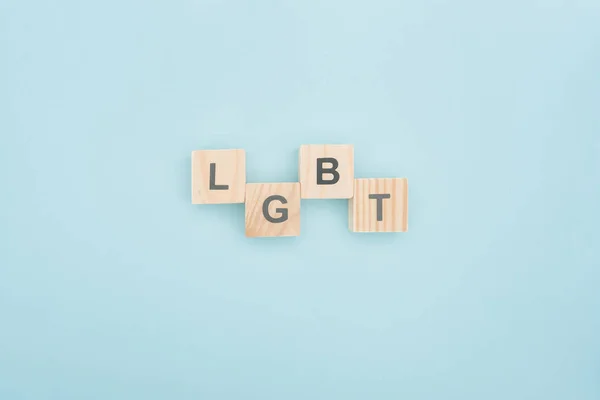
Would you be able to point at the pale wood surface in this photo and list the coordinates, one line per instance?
(257, 225)
(230, 170)
(362, 211)
(307, 171)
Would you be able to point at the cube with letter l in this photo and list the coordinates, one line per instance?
(218, 176)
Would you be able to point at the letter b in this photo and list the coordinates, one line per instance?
(320, 171)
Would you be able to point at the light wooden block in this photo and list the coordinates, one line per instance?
(319, 167)
(272, 209)
(218, 176)
(391, 215)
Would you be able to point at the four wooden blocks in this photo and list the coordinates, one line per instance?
(324, 172)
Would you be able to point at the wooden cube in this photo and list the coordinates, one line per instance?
(326, 171)
(272, 209)
(379, 205)
(218, 176)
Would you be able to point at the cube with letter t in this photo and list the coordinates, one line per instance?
(218, 176)
(326, 171)
(379, 205)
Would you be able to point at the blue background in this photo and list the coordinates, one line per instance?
(114, 286)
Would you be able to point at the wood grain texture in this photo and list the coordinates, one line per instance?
(362, 210)
(307, 171)
(230, 169)
(256, 223)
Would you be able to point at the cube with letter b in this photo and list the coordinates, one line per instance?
(326, 171)
(272, 209)
(218, 176)
(379, 205)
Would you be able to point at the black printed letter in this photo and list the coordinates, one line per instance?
(213, 173)
(380, 198)
(283, 211)
(332, 171)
